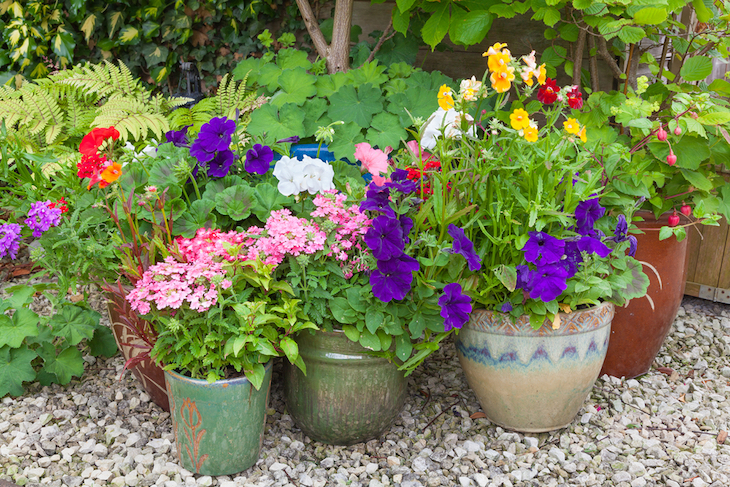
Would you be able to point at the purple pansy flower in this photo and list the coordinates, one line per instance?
(215, 135)
(548, 282)
(384, 238)
(258, 159)
(462, 245)
(41, 217)
(542, 248)
(178, 138)
(455, 306)
(392, 279)
(9, 240)
(221, 164)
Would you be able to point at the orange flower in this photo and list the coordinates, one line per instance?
(571, 126)
(502, 80)
(112, 172)
(530, 132)
(519, 119)
(582, 135)
(446, 100)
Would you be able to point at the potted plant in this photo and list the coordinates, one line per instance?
(518, 195)
(667, 144)
(219, 319)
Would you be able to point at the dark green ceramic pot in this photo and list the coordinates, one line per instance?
(347, 396)
(219, 427)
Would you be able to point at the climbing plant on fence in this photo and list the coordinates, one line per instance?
(149, 36)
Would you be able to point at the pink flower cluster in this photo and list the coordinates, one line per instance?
(351, 226)
(170, 284)
(209, 243)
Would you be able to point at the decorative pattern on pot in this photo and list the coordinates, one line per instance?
(219, 427)
(533, 380)
(347, 396)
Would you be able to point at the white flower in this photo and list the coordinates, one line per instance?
(446, 123)
(469, 88)
(295, 176)
(149, 150)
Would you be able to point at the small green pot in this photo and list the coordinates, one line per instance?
(347, 396)
(219, 427)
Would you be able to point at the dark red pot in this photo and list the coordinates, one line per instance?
(638, 330)
(134, 338)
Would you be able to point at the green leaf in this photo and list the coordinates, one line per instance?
(665, 233)
(13, 331)
(630, 34)
(63, 45)
(697, 180)
(469, 28)
(554, 55)
(401, 21)
(650, 15)
(569, 32)
(103, 343)
(199, 215)
(342, 311)
(267, 199)
(704, 14)
(640, 123)
(277, 124)
(696, 68)
(403, 347)
(436, 26)
(162, 173)
(372, 72)
(351, 332)
(154, 54)
(691, 152)
(15, 368)
(235, 201)
(129, 35)
(551, 16)
(386, 130)
(417, 325)
(74, 323)
(720, 86)
(370, 341)
(714, 118)
(19, 296)
(358, 106)
(374, 319)
(292, 58)
(330, 83)
(290, 348)
(405, 5)
(346, 136)
(67, 364)
(256, 375)
(507, 275)
(296, 85)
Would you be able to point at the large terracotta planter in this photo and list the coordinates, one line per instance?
(638, 330)
(533, 380)
(133, 346)
(219, 427)
(347, 396)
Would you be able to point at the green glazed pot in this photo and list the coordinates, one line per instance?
(219, 427)
(347, 396)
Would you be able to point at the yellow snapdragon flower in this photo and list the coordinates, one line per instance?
(446, 100)
(502, 80)
(519, 119)
(571, 126)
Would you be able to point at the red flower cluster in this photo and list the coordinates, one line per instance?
(60, 204)
(94, 165)
(548, 92)
(414, 174)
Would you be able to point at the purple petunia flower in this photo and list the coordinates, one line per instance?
(406, 223)
(455, 306)
(258, 159)
(587, 213)
(384, 238)
(542, 248)
(392, 279)
(41, 217)
(216, 134)
(199, 151)
(573, 257)
(399, 181)
(178, 138)
(293, 140)
(221, 164)
(462, 245)
(506, 307)
(620, 235)
(524, 277)
(593, 245)
(378, 199)
(633, 245)
(9, 240)
(548, 282)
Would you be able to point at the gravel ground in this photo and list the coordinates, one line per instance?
(666, 428)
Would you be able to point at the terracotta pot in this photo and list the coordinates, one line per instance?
(533, 380)
(347, 396)
(148, 373)
(638, 330)
(219, 427)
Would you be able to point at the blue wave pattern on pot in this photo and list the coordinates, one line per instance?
(534, 380)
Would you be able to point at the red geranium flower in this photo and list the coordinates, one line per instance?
(92, 141)
(548, 92)
(60, 204)
(90, 165)
(575, 98)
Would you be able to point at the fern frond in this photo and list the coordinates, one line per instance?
(232, 95)
(106, 80)
(46, 112)
(131, 118)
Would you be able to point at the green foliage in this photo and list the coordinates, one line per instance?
(151, 37)
(373, 100)
(46, 348)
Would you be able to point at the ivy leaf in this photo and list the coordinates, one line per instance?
(696, 68)
(386, 130)
(129, 35)
(296, 85)
(88, 26)
(67, 364)
(277, 124)
(358, 106)
(23, 324)
(103, 343)
(63, 45)
(199, 215)
(235, 202)
(436, 26)
(154, 54)
(468, 28)
(15, 368)
(346, 136)
(74, 324)
(268, 199)
(150, 29)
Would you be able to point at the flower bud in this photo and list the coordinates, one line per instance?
(661, 134)
(671, 159)
(678, 130)
(686, 210)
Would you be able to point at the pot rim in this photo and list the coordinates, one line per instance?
(223, 383)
